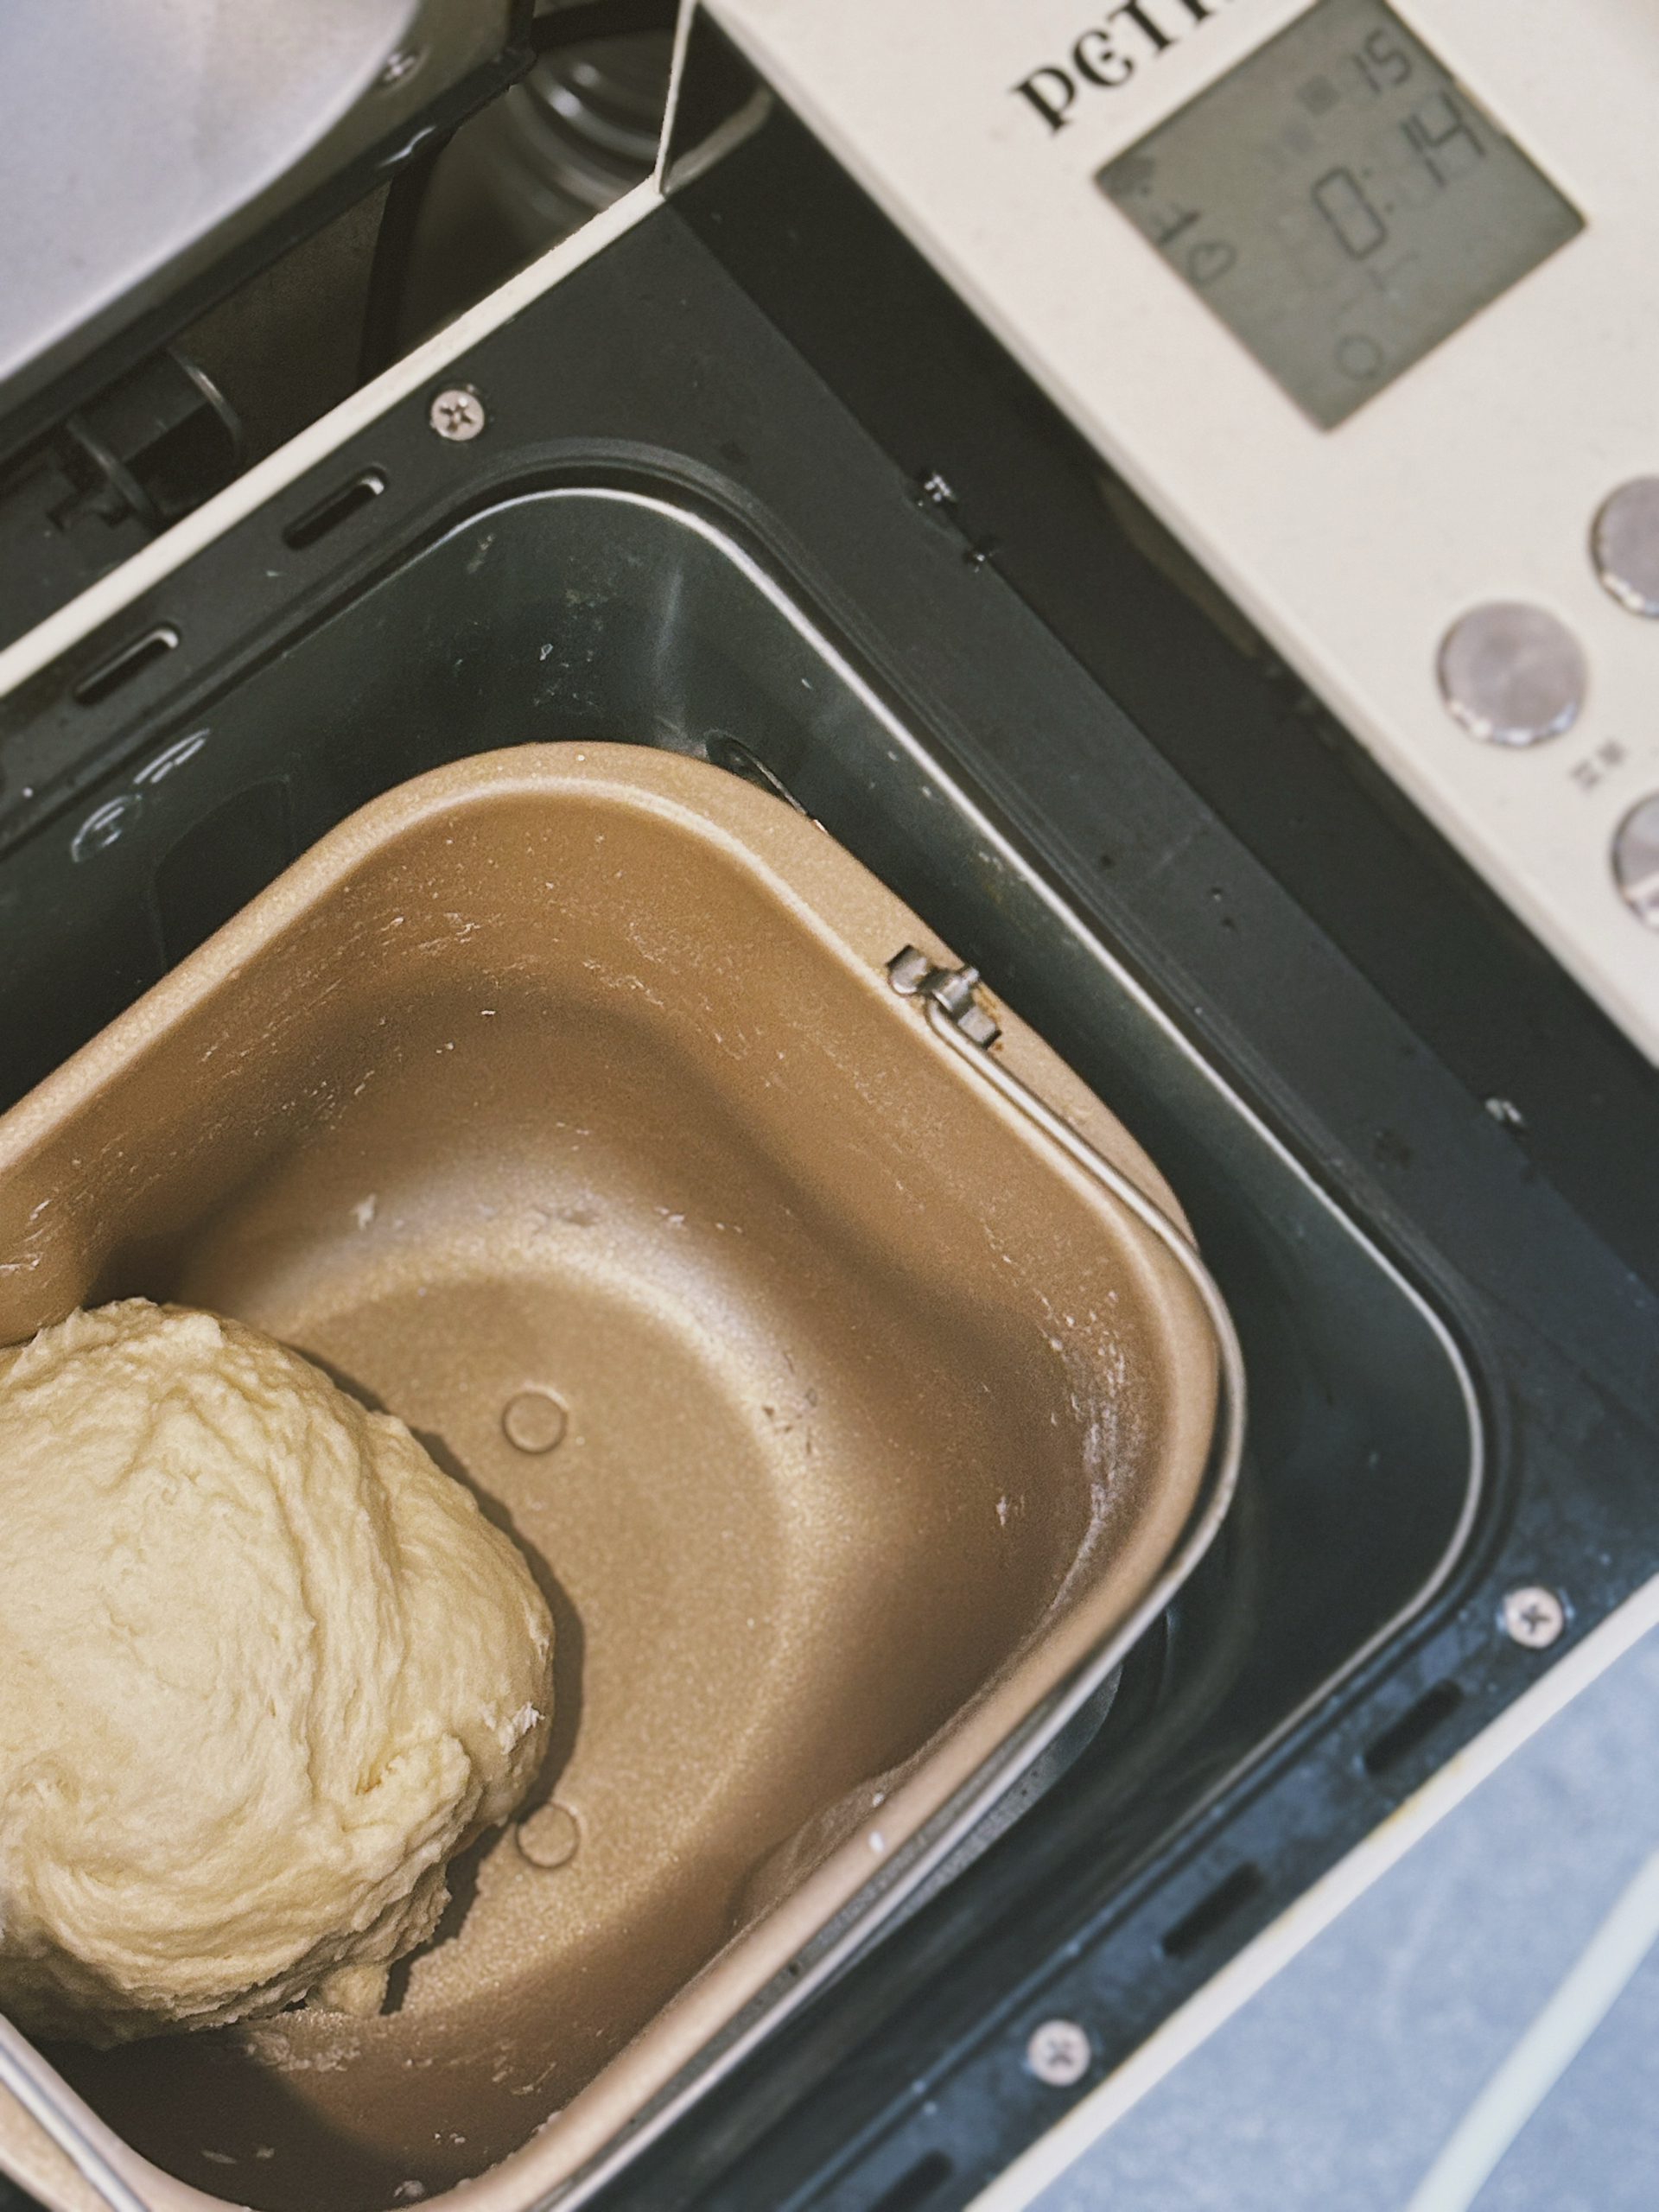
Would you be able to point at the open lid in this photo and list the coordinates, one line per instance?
(152, 159)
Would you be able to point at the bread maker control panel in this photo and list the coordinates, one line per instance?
(1359, 297)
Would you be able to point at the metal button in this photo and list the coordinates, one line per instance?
(1625, 544)
(1636, 861)
(1512, 673)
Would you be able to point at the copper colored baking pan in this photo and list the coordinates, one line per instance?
(562, 1102)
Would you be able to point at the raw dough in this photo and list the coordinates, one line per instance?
(264, 1668)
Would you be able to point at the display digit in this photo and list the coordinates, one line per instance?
(1390, 65)
(1350, 213)
(1436, 125)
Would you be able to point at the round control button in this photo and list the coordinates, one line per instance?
(1625, 544)
(1636, 861)
(1511, 674)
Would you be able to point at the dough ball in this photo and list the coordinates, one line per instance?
(265, 1665)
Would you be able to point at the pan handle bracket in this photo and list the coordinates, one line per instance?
(958, 1019)
(913, 975)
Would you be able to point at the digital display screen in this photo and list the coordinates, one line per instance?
(1341, 203)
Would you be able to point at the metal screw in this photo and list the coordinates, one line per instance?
(1059, 2053)
(1534, 1617)
(457, 414)
(403, 63)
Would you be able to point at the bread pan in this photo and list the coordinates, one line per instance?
(834, 1358)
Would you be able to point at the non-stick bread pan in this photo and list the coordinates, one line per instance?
(599, 1115)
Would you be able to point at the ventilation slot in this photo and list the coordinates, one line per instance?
(1223, 1902)
(126, 664)
(317, 522)
(913, 2188)
(1414, 1724)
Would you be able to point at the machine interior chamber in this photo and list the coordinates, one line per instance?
(603, 612)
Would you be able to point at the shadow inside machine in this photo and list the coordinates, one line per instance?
(610, 613)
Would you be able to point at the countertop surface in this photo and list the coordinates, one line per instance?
(1342, 2082)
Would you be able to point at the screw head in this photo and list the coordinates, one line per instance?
(401, 64)
(1533, 1617)
(457, 414)
(1059, 2053)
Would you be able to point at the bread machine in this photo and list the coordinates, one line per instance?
(886, 452)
